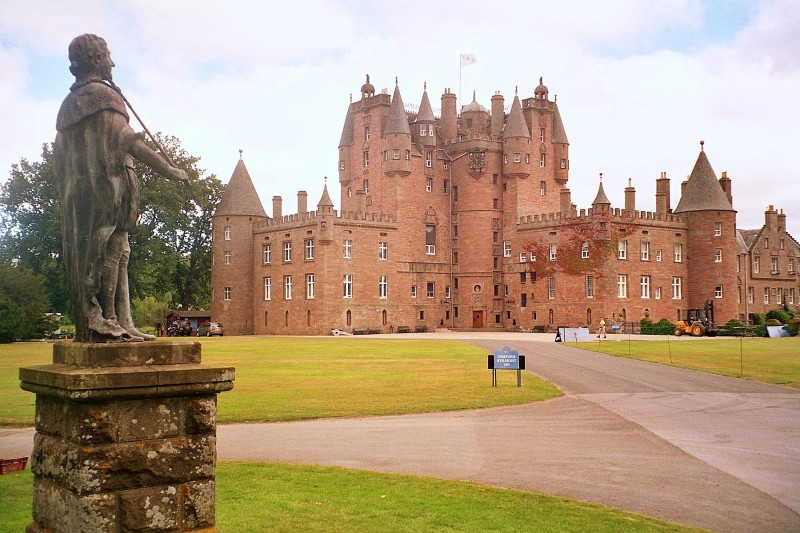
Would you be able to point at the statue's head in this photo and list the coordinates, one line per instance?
(89, 56)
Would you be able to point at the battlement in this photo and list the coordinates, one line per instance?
(296, 220)
(471, 137)
(585, 215)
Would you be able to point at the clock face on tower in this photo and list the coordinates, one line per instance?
(476, 160)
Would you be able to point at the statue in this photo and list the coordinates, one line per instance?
(99, 191)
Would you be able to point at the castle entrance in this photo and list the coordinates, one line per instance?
(477, 319)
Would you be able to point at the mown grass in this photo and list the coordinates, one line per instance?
(254, 497)
(767, 360)
(296, 378)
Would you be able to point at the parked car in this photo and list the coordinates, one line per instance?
(180, 328)
(208, 329)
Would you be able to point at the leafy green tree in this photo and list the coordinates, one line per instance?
(23, 305)
(150, 310)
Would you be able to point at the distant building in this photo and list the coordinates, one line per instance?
(465, 221)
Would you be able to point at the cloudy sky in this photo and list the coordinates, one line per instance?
(639, 82)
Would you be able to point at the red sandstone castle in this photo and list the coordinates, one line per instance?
(466, 221)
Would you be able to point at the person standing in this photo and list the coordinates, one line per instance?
(99, 191)
(601, 330)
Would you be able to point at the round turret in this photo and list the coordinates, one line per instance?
(367, 90)
(541, 91)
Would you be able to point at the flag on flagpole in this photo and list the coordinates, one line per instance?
(468, 59)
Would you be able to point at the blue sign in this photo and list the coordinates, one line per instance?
(506, 359)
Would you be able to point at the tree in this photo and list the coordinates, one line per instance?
(170, 248)
(23, 305)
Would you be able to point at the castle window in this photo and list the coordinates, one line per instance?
(396, 154)
(267, 289)
(497, 290)
(622, 249)
(589, 286)
(226, 294)
(309, 246)
(506, 248)
(446, 186)
(718, 255)
(446, 165)
(430, 239)
(408, 155)
(782, 244)
(429, 185)
(676, 288)
(542, 187)
(505, 159)
(553, 252)
(267, 254)
(645, 251)
(430, 289)
(791, 295)
(717, 229)
(791, 265)
(413, 291)
(523, 300)
(523, 257)
(644, 283)
(423, 130)
(774, 264)
(495, 203)
(227, 256)
(287, 252)
(658, 254)
(678, 252)
(347, 249)
(287, 287)
(584, 250)
(430, 130)
(227, 233)
(349, 192)
(347, 286)
(523, 277)
(366, 133)
(309, 286)
(541, 134)
(517, 158)
(658, 293)
(455, 258)
(366, 159)
(383, 251)
(563, 163)
(383, 287)
(622, 286)
(533, 257)
(366, 186)
(750, 295)
(766, 242)
(429, 159)
(542, 160)
(495, 236)
(766, 295)
(551, 288)
(718, 291)
(341, 164)
(447, 293)
(756, 264)
(527, 159)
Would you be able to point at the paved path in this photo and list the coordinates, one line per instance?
(694, 448)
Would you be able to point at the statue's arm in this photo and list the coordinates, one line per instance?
(149, 157)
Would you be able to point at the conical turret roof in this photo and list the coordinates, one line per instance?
(325, 200)
(240, 197)
(601, 197)
(515, 125)
(559, 133)
(425, 111)
(347, 129)
(397, 122)
(703, 192)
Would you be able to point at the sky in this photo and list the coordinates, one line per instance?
(639, 83)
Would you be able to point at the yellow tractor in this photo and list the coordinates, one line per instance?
(698, 322)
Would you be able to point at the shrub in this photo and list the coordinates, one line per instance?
(732, 327)
(773, 322)
(758, 319)
(794, 326)
(781, 315)
(662, 327)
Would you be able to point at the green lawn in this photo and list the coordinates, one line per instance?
(758, 359)
(253, 497)
(294, 378)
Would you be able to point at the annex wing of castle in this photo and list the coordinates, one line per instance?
(465, 220)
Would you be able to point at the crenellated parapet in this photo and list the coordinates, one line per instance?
(616, 215)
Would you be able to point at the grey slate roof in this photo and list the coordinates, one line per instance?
(473, 106)
(325, 201)
(601, 197)
(397, 122)
(703, 192)
(425, 111)
(559, 133)
(240, 197)
(515, 125)
(347, 129)
(748, 236)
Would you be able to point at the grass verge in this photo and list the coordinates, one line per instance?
(296, 378)
(767, 360)
(254, 497)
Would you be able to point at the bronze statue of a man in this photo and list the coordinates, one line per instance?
(93, 162)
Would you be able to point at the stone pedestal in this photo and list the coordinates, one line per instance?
(125, 438)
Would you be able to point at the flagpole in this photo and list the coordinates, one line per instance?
(460, 68)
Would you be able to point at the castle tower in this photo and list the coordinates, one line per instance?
(560, 148)
(346, 148)
(475, 118)
(232, 252)
(711, 242)
(425, 123)
(517, 164)
(397, 138)
(601, 203)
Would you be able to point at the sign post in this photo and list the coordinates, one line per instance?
(506, 359)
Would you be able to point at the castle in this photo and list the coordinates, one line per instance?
(466, 221)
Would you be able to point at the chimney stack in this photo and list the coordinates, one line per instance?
(630, 198)
(302, 203)
(277, 204)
